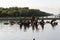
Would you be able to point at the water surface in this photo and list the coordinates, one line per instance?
(13, 32)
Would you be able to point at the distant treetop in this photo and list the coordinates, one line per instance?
(24, 12)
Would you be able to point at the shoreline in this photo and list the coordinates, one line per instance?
(26, 18)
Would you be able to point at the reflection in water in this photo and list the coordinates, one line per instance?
(34, 24)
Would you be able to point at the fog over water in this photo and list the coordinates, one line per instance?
(13, 32)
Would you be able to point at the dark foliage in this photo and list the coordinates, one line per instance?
(21, 12)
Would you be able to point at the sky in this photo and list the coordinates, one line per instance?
(50, 6)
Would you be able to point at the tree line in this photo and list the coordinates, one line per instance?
(21, 12)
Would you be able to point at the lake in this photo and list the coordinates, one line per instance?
(13, 32)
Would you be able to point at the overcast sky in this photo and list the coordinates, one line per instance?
(51, 6)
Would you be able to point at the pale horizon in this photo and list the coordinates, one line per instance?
(49, 6)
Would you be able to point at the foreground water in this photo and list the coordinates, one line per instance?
(13, 32)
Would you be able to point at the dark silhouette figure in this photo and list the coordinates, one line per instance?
(53, 21)
(33, 38)
(33, 18)
(20, 23)
(54, 24)
(26, 24)
(42, 23)
(6, 23)
(48, 22)
(12, 22)
(34, 24)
